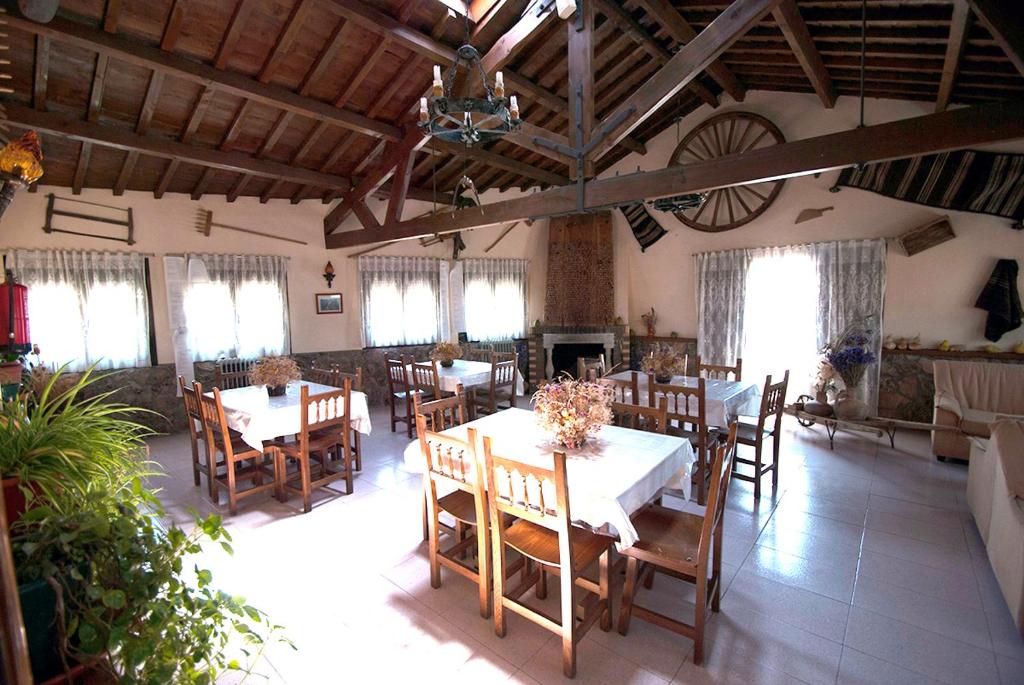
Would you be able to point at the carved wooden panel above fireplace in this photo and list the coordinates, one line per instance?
(581, 271)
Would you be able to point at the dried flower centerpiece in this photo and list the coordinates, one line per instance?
(664, 362)
(572, 409)
(446, 353)
(275, 373)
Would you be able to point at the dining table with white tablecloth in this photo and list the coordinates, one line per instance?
(611, 476)
(468, 373)
(261, 418)
(723, 400)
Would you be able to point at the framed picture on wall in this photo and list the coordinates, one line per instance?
(328, 303)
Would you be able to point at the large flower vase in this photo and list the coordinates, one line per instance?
(849, 407)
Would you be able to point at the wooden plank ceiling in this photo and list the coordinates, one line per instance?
(300, 99)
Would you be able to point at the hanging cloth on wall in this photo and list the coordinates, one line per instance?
(646, 229)
(965, 180)
(1001, 300)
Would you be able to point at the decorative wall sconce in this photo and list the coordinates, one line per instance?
(329, 274)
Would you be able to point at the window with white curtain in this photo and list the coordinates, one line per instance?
(401, 300)
(235, 306)
(495, 298)
(86, 307)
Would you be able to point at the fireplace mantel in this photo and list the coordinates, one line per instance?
(549, 340)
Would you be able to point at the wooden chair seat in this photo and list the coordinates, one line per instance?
(670, 535)
(541, 544)
(461, 505)
(747, 434)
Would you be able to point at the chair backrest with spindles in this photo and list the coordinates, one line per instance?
(773, 402)
(503, 371)
(215, 424)
(355, 376)
(479, 353)
(324, 411)
(720, 372)
(590, 368)
(442, 414)
(398, 379)
(425, 378)
(193, 412)
(624, 390)
(639, 417)
(531, 493)
(721, 476)
(232, 373)
(685, 402)
(323, 376)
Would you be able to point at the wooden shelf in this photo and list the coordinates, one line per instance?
(958, 354)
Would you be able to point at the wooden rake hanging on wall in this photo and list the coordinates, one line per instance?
(205, 224)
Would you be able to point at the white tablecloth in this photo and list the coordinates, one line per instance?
(259, 417)
(723, 400)
(613, 475)
(468, 373)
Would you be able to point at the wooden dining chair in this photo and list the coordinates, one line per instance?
(502, 385)
(452, 464)
(324, 432)
(425, 380)
(230, 373)
(624, 390)
(323, 376)
(639, 417)
(194, 419)
(681, 544)
(438, 416)
(687, 418)
(720, 372)
(478, 353)
(356, 442)
(529, 513)
(241, 462)
(769, 425)
(399, 392)
(590, 368)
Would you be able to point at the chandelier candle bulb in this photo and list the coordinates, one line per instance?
(424, 113)
(499, 84)
(513, 106)
(438, 84)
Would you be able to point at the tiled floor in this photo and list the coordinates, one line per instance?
(866, 568)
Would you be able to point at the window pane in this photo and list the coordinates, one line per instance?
(211, 320)
(385, 315)
(420, 314)
(55, 320)
(111, 333)
(260, 310)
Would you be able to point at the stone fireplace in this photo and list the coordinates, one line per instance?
(561, 350)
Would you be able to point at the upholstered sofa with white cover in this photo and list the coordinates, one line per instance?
(995, 494)
(970, 396)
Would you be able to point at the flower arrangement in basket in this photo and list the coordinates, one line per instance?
(664, 362)
(446, 353)
(572, 409)
(275, 373)
(848, 355)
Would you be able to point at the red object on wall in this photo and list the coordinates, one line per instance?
(14, 315)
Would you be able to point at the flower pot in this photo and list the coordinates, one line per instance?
(39, 612)
(850, 408)
(447, 363)
(663, 377)
(14, 499)
(277, 390)
(10, 373)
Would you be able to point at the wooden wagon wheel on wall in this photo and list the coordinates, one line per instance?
(727, 134)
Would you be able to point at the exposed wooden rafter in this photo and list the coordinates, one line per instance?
(285, 40)
(1005, 21)
(41, 73)
(932, 133)
(792, 25)
(400, 188)
(684, 66)
(581, 82)
(958, 28)
(243, 9)
(112, 16)
(156, 80)
(172, 28)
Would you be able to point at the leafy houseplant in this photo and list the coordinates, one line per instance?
(573, 409)
(120, 596)
(446, 353)
(63, 441)
(664, 362)
(275, 373)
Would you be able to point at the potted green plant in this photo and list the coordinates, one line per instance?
(53, 438)
(105, 585)
(275, 373)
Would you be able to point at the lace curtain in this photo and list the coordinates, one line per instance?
(86, 307)
(721, 292)
(233, 305)
(401, 300)
(495, 298)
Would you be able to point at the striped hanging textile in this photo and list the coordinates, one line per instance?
(965, 180)
(646, 229)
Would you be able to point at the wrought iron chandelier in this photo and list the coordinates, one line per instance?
(678, 203)
(468, 120)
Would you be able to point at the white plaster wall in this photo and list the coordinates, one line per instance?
(931, 293)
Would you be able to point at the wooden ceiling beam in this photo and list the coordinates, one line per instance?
(109, 136)
(685, 65)
(195, 117)
(166, 177)
(99, 79)
(323, 60)
(673, 22)
(156, 81)
(928, 134)
(581, 82)
(111, 16)
(365, 69)
(1004, 19)
(635, 30)
(81, 168)
(493, 159)
(400, 188)
(959, 26)
(140, 54)
(243, 9)
(41, 72)
(792, 25)
(285, 40)
(172, 28)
